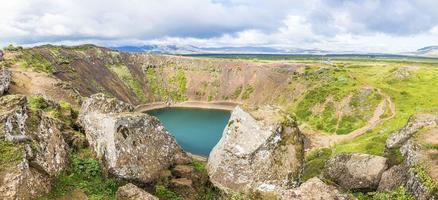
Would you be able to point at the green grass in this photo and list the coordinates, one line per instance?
(84, 173)
(129, 80)
(35, 61)
(163, 192)
(199, 166)
(399, 193)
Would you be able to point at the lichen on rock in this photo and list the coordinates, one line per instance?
(130, 145)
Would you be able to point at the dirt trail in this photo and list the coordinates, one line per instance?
(321, 139)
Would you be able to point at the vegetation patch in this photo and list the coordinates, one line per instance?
(249, 89)
(153, 83)
(180, 82)
(35, 61)
(315, 161)
(425, 179)
(84, 173)
(125, 75)
(399, 193)
(163, 192)
(237, 92)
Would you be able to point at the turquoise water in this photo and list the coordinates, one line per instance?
(196, 130)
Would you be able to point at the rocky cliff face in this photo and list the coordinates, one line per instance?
(257, 156)
(33, 149)
(133, 146)
(145, 78)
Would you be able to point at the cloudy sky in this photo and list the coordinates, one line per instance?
(368, 25)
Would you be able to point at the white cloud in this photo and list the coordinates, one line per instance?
(387, 26)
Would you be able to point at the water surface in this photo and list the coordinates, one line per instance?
(196, 130)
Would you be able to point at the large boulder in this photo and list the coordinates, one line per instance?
(5, 79)
(132, 192)
(314, 189)
(32, 147)
(355, 171)
(261, 152)
(133, 146)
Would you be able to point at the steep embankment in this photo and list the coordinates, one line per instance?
(146, 78)
(327, 98)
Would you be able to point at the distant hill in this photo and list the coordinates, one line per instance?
(190, 49)
(429, 51)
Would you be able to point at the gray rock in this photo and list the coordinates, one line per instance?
(5, 79)
(314, 189)
(414, 124)
(355, 171)
(132, 192)
(39, 139)
(414, 157)
(133, 146)
(411, 151)
(263, 156)
(393, 178)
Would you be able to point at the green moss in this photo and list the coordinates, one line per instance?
(38, 103)
(315, 161)
(10, 154)
(395, 157)
(122, 71)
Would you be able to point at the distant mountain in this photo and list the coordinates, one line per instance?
(429, 51)
(189, 49)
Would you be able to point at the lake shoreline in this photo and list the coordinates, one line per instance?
(215, 105)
